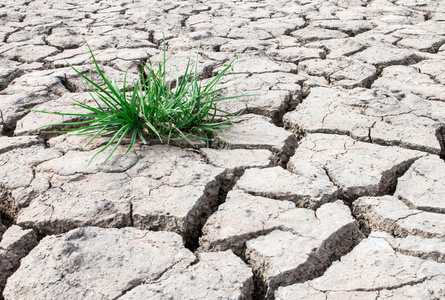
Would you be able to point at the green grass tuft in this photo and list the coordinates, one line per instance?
(153, 109)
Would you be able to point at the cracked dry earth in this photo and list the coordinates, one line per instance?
(331, 186)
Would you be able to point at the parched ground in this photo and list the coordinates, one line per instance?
(331, 185)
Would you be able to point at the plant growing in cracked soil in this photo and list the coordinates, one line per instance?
(153, 109)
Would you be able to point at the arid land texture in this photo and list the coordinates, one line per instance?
(331, 184)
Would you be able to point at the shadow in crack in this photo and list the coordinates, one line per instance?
(440, 135)
(8, 211)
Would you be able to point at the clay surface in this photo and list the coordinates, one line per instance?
(329, 185)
